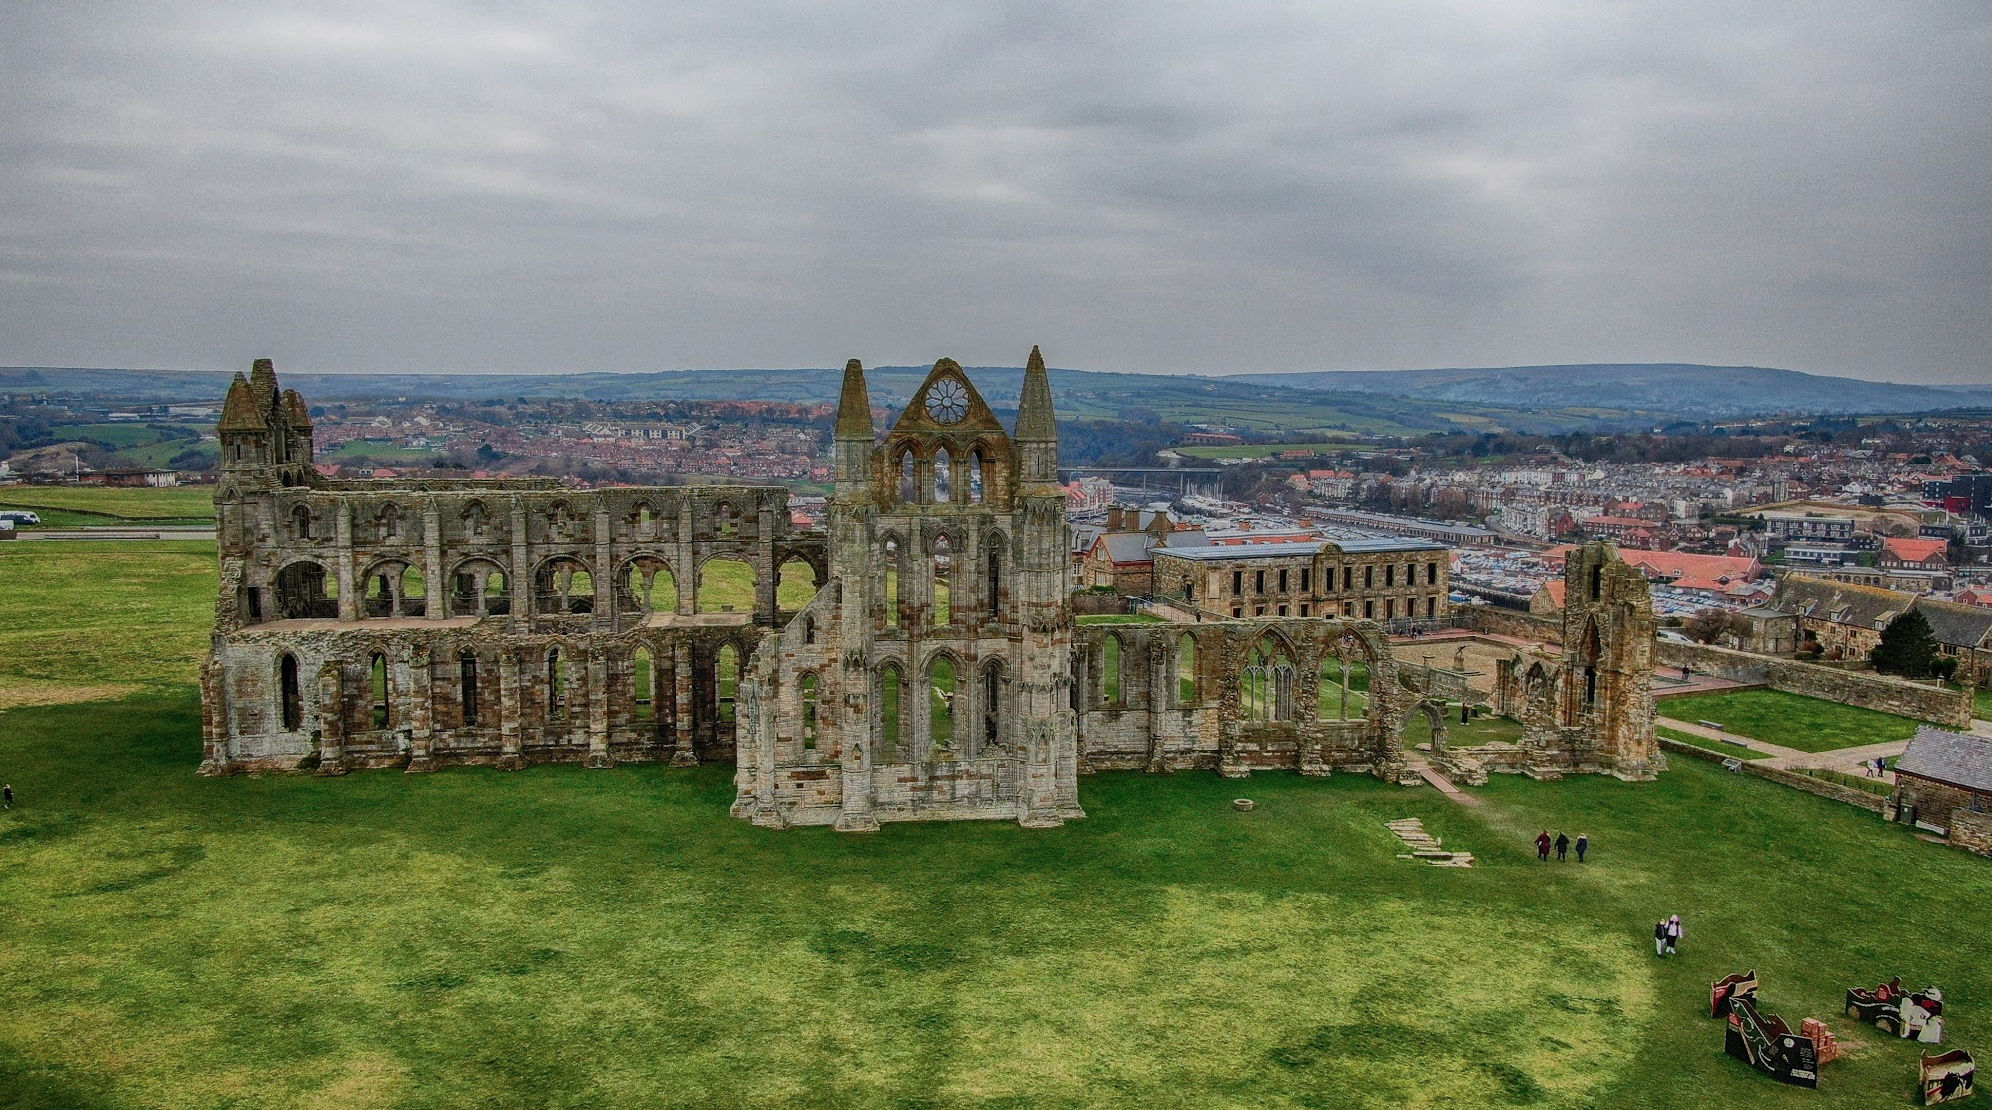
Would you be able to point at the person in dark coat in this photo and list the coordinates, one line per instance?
(1542, 845)
(1583, 845)
(1660, 938)
(8, 795)
(1562, 848)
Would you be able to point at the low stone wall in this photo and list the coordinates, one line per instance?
(1971, 830)
(1950, 708)
(1097, 603)
(1854, 797)
(1508, 622)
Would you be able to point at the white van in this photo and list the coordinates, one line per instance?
(20, 516)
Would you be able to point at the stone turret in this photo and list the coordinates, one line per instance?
(244, 430)
(297, 428)
(854, 438)
(1037, 425)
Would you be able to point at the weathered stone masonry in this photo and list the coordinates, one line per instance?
(938, 673)
(423, 623)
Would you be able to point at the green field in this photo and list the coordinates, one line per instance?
(94, 620)
(380, 450)
(1790, 720)
(64, 506)
(574, 938)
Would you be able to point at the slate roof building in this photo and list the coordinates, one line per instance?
(1942, 772)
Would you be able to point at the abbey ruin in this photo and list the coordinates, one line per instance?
(938, 672)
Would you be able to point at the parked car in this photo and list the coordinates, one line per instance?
(20, 516)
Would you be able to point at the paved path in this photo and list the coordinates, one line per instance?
(1839, 759)
(1431, 774)
(102, 534)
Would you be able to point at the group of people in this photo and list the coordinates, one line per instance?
(1876, 767)
(1562, 844)
(1667, 936)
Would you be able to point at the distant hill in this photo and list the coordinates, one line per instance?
(1689, 390)
(1538, 399)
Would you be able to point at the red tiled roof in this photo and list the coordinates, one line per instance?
(1914, 550)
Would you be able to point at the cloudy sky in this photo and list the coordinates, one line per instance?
(1148, 186)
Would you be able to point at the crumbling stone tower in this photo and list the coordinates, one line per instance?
(932, 679)
(1590, 709)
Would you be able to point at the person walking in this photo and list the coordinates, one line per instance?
(1542, 845)
(1660, 937)
(1674, 933)
(7, 794)
(1583, 845)
(1562, 848)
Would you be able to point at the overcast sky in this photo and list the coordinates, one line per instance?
(1150, 186)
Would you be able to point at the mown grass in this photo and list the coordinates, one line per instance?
(571, 938)
(86, 620)
(173, 503)
(1790, 720)
(563, 937)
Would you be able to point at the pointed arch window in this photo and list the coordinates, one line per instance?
(976, 478)
(467, 686)
(941, 700)
(1266, 694)
(301, 521)
(644, 681)
(944, 490)
(943, 578)
(809, 712)
(1186, 670)
(909, 482)
(1111, 677)
(291, 693)
(556, 686)
(891, 588)
(383, 713)
(891, 688)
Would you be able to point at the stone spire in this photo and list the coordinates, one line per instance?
(263, 379)
(1035, 419)
(240, 413)
(854, 414)
(852, 451)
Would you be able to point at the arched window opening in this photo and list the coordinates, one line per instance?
(383, 716)
(305, 592)
(1267, 693)
(290, 693)
(414, 592)
(943, 476)
(890, 738)
(943, 580)
(497, 596)
(1592, 651)
(909, 486)
(940, 716)
(975, 477)
(644, 677)
(809, 728)
(564, 585)
(381, 597)
(728, 521)
(1344, 686)
(727, 585)
(648, 586)
(1186, 670)
(388, 523)
(726, 686)
(467, 687)
(556, 686)
(992, 704)
(1110, 671)
(473, 520)
(642, 518)
(795, 584)
(891, 599)
(301, 522)
(993, 583)
(808, 630)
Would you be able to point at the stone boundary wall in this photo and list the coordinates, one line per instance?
(1971, 831)
(1950, 708)
(1508, 622)
(1097, 603)
(1831, 790)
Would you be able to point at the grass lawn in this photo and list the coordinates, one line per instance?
(112, 506)
(91, 620)
(1711, 745)
(562, 937)
(1790, 720)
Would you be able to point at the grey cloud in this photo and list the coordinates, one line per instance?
(1162, 187)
